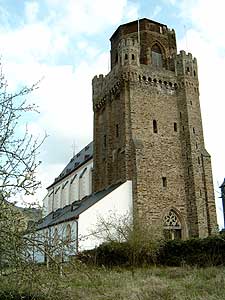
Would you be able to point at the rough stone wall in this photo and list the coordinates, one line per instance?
(166, 160)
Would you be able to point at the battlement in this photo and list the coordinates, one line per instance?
(186, 56)
(138, 38)
(128, 42)
(186, 64)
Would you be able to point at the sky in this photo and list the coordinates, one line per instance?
(66, 43)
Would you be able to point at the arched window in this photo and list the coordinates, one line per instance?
(172, 226)
(157, 60)
(68, 233)
(55, 237)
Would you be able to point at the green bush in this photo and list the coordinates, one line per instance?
(196, 252)
(200, 252)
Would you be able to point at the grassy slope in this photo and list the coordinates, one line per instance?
(143, 283)
(150, 283)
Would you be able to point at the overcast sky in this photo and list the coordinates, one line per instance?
(67, 43)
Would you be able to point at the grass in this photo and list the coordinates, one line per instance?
(82, 282)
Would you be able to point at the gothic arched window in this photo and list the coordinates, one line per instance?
(157, 59)
(172, 226)
(68, 233)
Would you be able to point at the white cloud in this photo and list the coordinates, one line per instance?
(156, 11)
(204, 39)
(90, 17)
(31, 11)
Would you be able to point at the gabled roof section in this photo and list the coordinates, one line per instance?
(73, 210)
(78, 160)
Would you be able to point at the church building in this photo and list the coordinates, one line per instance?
(148, 141)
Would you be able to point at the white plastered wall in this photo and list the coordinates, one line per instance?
(119, 203)
(60, 194)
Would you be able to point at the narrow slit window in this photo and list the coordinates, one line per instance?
(117, 130)
(175, 127)
(132, 56)
(164, 182)
(126, 56)
(104, 142)
(155, 129)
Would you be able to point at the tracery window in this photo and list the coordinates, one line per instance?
(172, 226)
(157, 59)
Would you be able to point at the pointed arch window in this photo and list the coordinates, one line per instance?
(68, 233)
(157, 59)
(172, 226)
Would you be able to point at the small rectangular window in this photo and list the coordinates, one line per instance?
(104, 142)
(155, 129)
(164, 181)
(175, 126)
(117, 130)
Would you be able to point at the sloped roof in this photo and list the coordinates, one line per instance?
(73, 210)
(78, 160)
(223, 184)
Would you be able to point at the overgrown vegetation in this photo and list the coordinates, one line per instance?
(194, 252)
(83, 282)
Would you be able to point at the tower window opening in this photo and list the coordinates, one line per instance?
(116, 58)
(157, 60)
(117, 130)
(175, 127)
(172, 226)
(155, 129)
(126, 56)
(198, 160)
(180, 115)
(188, 70)
(164, 182)
(191, 102)
(194, 73)
(132, 56)
(193, 130)
(104, 141)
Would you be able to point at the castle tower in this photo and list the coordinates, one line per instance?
(148, 129)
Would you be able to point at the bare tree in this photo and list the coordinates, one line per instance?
(18, 166)
(18, 151)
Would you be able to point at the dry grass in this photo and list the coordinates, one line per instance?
(156, 283)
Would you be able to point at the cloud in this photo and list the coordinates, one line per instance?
(204, 40)
(31, 11)
(91, 17)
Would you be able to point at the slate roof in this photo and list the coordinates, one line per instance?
(73, 210)
(78, 160)
(223, 184)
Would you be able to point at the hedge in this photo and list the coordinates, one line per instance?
(199, 252)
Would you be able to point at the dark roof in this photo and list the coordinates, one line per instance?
(133, 22)
(223, 184)
(73, 210)
(78, 160)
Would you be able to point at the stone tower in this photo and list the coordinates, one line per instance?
(148, 129)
